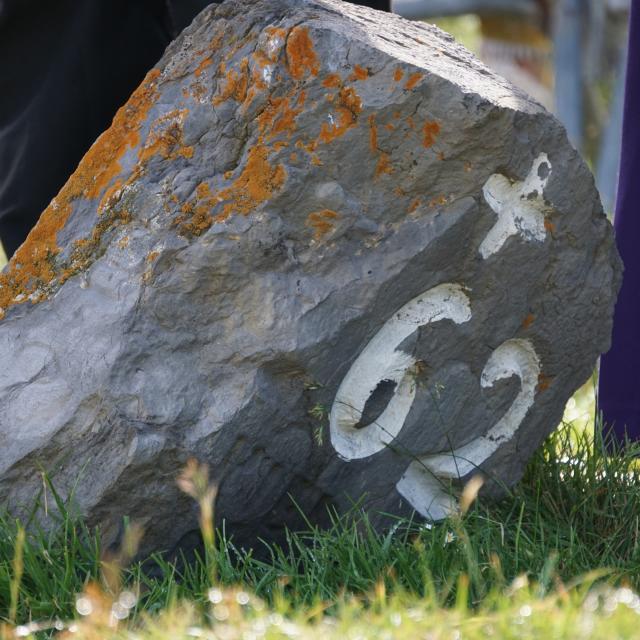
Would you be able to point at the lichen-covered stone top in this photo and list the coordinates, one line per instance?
(238, 73)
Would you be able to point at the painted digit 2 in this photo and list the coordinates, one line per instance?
(520, 208)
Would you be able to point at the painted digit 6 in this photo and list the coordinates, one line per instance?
(381, 360)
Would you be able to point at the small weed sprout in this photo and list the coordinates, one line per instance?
(320, 413)
(194, 481)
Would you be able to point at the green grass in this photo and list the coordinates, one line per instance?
(237, 615)
(572, 522)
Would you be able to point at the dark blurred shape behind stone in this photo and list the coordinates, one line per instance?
(66, 67)
(322, 249)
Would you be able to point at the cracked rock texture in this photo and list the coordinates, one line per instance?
(322, 249)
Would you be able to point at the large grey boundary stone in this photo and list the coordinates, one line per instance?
(305, 201)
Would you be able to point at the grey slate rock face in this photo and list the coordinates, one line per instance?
(325, 251)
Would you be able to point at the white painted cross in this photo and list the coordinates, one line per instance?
(520, 206)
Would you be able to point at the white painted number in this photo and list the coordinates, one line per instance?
(520, 208)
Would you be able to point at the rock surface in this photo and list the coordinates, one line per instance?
(322, 249)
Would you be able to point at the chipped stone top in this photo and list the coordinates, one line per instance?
(430, 49)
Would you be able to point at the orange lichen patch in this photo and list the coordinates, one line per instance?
(123, 243)
(399, 192)
(301, 55)
(411, 123)
(236, 83)
(384, 160)
(195, 217)
(332, 81)
(216, 41)
(257, 183)
(398, 74)
(165, 138)
(198, 91)
(200, 221)
(285, 122)
(148, 274)
(373, 134)
(347, 116)
(351, 100)
(293, 157)
(430, 130)
(359, 73)
(438, 200)
(389, 126)
(258, 74)
(259, 82)
(544, 382)
(85, 250)
(322, 222)
(251, 94)
(413, 80)
(202, 66)
(414, 205)
(33, 266)
(308, 147)
(384, 165)
(549, 226)
(110, 197)
(233, 44)
(203, 191)
(270, 113)
(276, 32)
(187, 208)
(528, 321)
(261, 60)
(315, 160)
(396, 115)
(279, 115)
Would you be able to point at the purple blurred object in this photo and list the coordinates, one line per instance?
(619, 388)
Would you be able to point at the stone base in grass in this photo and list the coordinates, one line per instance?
(322, 249)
